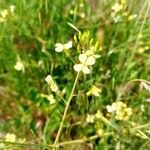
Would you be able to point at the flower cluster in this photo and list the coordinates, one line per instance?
(5, 12)
(10, 137)
(51, 83)
(118, 13)
(122, 112)
(90, 118)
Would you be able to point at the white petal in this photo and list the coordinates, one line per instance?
(97, 56)
(59, 47)
(90, 60)
(85, 70)
(48, 78)
(68, 45)
(78, 67)
(82, 58)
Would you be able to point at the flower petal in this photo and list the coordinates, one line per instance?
(78, 67)
(59, 47)
(90, 60)
(82, 58)
(68, 45)
(85, 69)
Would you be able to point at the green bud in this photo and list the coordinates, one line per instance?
(78, 49)
(75, 38)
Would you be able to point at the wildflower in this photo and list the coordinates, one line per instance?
(131, 17)
(81, 5)
(71, 12)
(98, 114)
(12, 8)
(94, 90)
(19, 66)
(90, 118)
(100, 132)
(111, 108)
(50, 98)
(117, 19)
(140, 35)
(123, 2)
(117, 7)
(51, 83)
(10, 137)
(91, 53)
(4, 13)
(82, 15)
(122, 112)
(60, 47)
(85, 62)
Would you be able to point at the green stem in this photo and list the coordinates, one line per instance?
(65, 111)
(78, 141)
(85, 139)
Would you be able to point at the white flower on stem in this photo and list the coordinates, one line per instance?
(51, 83)
(60, 47)
(85, 62)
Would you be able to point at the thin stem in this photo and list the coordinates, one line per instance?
(26, 144)
(85, 139)
(65, 111)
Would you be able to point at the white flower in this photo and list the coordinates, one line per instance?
(111, 108)
(60, 47)
(90, 118)
(51, 83)
(85, 62)
(10, 137)
(117, 7)
(4, 13)
(19, 66)
(12, 8)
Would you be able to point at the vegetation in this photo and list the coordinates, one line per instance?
(75, 75)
